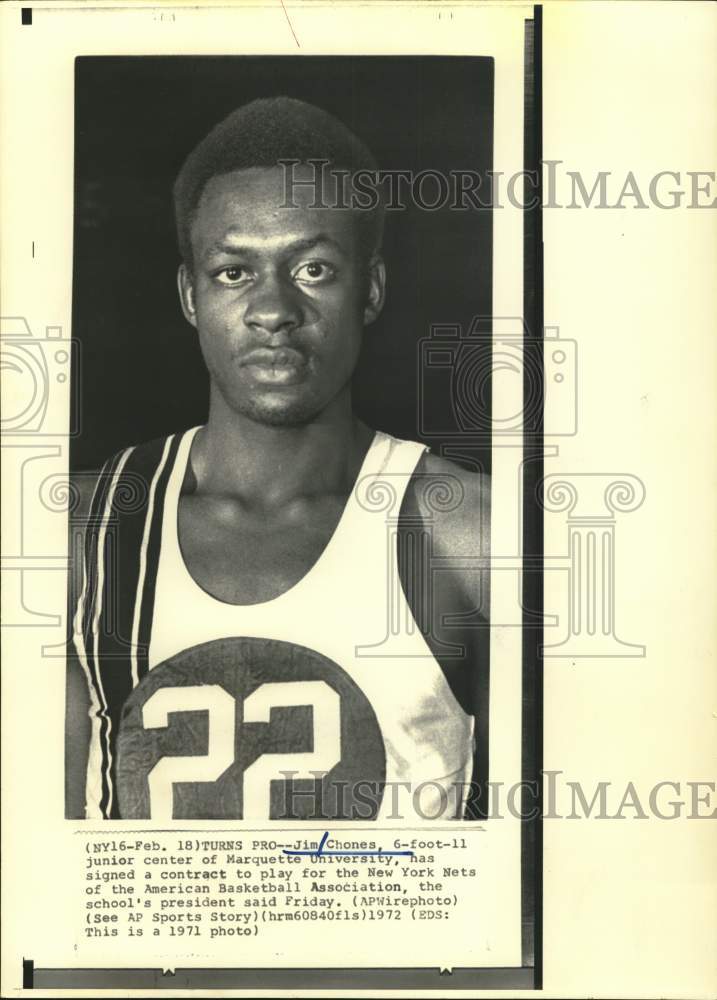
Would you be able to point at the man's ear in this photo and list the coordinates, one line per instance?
(376, 289)
(185, 284)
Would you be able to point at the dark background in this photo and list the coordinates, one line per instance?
(141, 373)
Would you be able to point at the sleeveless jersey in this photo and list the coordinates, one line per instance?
(322, 703)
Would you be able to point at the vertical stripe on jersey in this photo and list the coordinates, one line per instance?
(145, 606)
(98, 763)
(114, 611)
(134, 653)
(104, 582)
(93, 789)
(125, 626)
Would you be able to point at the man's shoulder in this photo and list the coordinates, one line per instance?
(135, 464)
(126, 476)
(455, 500)
(444, 487)
(475, 484)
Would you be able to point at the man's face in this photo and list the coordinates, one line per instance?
(278, 296)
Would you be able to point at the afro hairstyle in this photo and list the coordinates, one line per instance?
(260, 134)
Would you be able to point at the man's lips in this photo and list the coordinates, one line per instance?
(275, 366)
(279, 357)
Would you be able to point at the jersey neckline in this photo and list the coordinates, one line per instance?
(371, 463)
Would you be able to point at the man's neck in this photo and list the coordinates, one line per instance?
(233, 455)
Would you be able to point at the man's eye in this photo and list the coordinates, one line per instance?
(314, 272)
(236, 275)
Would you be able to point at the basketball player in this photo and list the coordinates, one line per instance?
(279, 611)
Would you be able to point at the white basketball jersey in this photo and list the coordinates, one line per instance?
(328, 690)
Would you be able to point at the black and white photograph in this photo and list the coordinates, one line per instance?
(358, 497)
(281, 572)
(281, 471)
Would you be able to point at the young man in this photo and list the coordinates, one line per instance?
(280, 610)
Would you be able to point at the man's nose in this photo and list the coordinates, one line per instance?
(273, 306)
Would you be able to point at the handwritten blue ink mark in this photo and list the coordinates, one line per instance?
(319, 852)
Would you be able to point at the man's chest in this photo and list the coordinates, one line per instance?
(247, 557)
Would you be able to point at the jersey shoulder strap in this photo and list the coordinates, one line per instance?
(113, 618)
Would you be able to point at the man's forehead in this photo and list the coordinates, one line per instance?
(235, 240)
(253, 208)
(300, 185)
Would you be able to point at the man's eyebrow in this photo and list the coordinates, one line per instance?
(242, 246)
